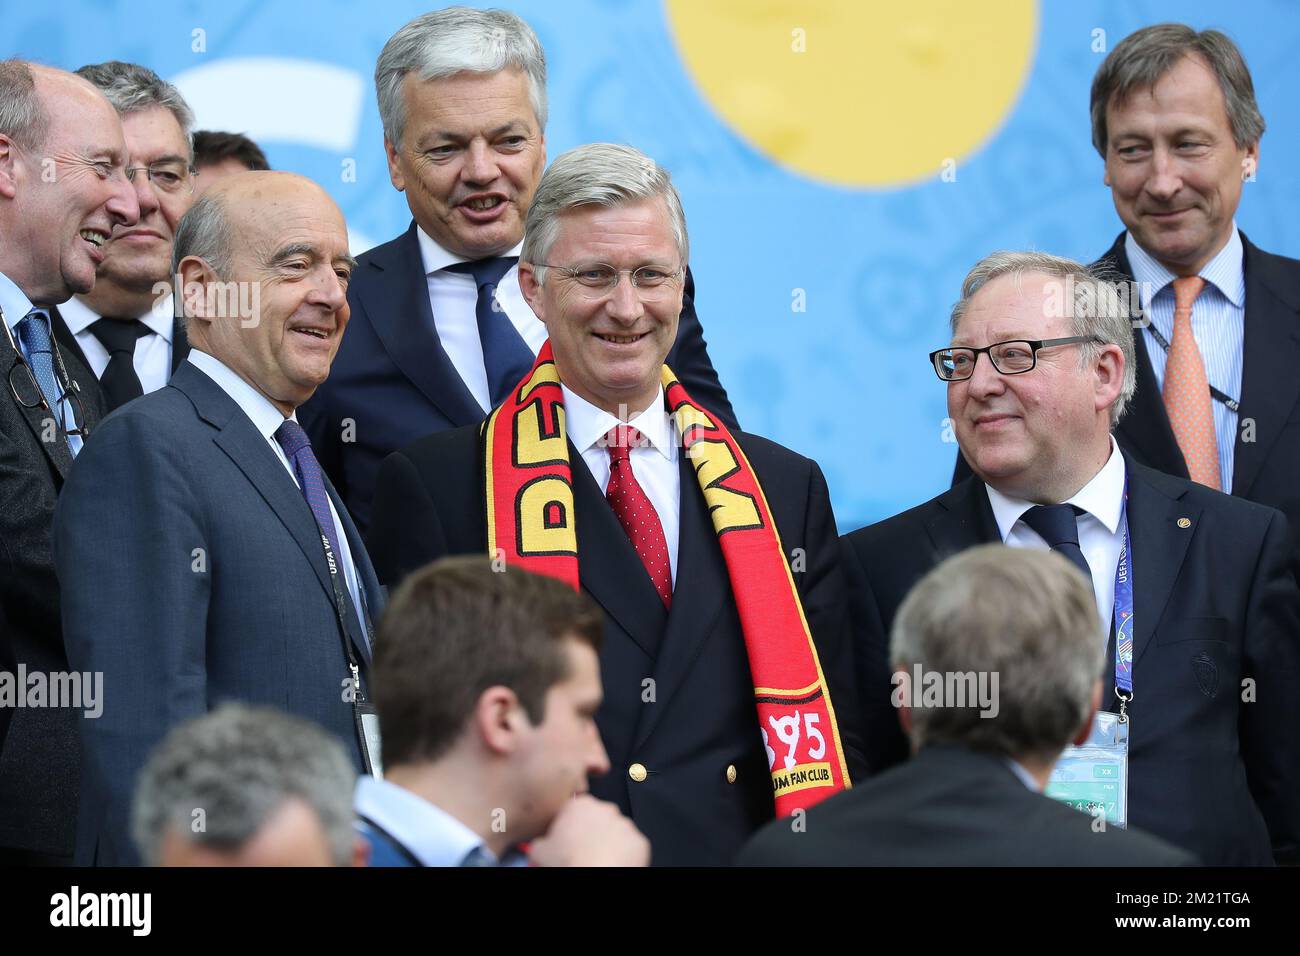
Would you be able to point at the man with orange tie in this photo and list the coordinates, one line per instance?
(1218, 399)
(1199, 610)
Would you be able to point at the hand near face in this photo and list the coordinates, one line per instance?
(590, 832)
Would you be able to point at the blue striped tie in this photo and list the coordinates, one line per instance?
(34, 333)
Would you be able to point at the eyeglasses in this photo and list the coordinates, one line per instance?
(1010, 358)
(601, 279)
(27, 391)
(168, 175)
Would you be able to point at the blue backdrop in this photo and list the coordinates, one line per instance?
(819, 297)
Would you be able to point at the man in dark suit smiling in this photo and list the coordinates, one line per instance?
(203, 555)
(1039, 371)
(728, 692)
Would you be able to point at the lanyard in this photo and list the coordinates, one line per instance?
(340, 609)
(1124, 619)
(1233, 405)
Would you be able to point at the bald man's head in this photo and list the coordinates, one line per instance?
(274, 247)
(63, 183)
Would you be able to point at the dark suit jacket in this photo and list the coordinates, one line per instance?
(952, 807)
(1215, 604)
(68, 342)
(38, 770)
(702, 719)
(192, 573)
(394, 381)
(1267, 469)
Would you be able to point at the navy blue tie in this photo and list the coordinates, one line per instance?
(506, 356)
(1055, 524)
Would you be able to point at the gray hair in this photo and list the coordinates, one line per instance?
(1101, 306)
(1141, 58)
(22, 117)
(457, 40)
(204, 231)
(239, 764)
(599, 174)
(132, 88)
(1028, 616)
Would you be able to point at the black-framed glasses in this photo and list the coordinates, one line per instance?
(601, 278)
(1010, 358)
(169, 175)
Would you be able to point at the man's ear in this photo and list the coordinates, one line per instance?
(532, 289)
(499, 719)
(1110, 375)
(394, 170)
(1250, 162)
(195, 275)
(9, 162)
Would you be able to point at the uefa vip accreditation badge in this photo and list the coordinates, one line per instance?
(1093, 778)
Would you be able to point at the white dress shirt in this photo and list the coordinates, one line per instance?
(453, 297)
(654, 465)
(1101, 531)
(267, 419)
(15, 305)
(433, 836)
(1218, 326)
(153, 352)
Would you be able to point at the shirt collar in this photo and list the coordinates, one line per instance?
(13, 301)
(586, 424)
(1225, 271)
(1023, 775)
(1102, 497)
(436, 258)
(264, 415)
(435, 837)
(79, 317)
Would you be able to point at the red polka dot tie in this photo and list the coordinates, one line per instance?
(635, 512)
(1187, 390)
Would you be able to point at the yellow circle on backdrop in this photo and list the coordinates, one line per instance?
(856, 93)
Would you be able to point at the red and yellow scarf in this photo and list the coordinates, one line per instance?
(531, 523)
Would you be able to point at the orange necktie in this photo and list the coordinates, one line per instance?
(1187, 390)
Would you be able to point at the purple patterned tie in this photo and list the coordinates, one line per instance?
(297, 448)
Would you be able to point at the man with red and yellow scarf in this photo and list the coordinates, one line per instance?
(729, 683)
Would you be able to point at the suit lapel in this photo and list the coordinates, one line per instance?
(1145, 429)
(964, 519)
(1270, 387)
(252, 454)
(700, 593)
(1155, 507)
(608, 567)
(404, 322)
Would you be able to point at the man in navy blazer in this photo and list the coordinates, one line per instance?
(678, 717)
(203, 556)
(440, 328)
(1174, 118)
(1215, 697)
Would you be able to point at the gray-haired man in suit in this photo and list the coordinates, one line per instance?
(204, 556)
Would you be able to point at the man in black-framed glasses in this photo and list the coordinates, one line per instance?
(63, 190)
(1193, 588)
